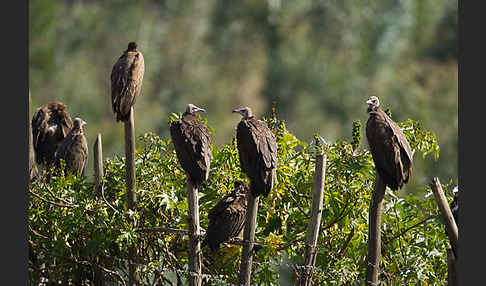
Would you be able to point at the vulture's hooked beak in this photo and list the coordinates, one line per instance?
(83, 123)
(198, 109)
(369, 101)
(236, 111)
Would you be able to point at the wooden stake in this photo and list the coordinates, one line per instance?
(310, 254)
(374, 234)
(244, 276)
(449, 221)
(31, 146)
(194, 235)
(98, 166)
(451, 268)
(131, 191)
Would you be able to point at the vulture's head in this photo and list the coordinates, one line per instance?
(191, 108)
(132, 46)
(78, 124)
(240, 187)
(245, 112)
(373, 103)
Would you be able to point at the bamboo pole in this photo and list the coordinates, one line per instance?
(449, 221)
(374, 235)
(244, 276)
(310, 254)
(194, 234)
(131, 191)
(98, 166)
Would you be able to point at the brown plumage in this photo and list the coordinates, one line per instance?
(50, 125)
(257, 151)
(74, 149)
(227, 217)
(126, 81)
(389, 147)
(192, 142)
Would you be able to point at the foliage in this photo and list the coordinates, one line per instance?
(75, 235)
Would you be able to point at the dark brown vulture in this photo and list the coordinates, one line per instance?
(50, 125)
(74, 149)
(389, 147)
(126, 81)
(257, 150)
(192, 142)
(227, 217)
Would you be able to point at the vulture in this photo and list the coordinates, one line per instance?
(389, 147)
(227, 217)
(257, 151)
(126, 81)
(74, 149)
(192, 142)
(50, 124)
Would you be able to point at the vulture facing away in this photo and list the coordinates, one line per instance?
(227, 217)
(74, 149)
(192, 142)
(257, 150)
(389, 147)
(51, 123)
(126, 81)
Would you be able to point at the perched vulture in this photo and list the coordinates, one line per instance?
(126, 81)
(192, 142)
(74, 149)
(257, 150)
(389, 147)
(227, 217)
(50, 125)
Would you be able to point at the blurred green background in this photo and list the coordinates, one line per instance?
(317, 60)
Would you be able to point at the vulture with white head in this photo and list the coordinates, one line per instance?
(51, 123)
(126, 81)
(257, 150)
(389, 147)
(227, 217)
(74, 149)
(192, 142)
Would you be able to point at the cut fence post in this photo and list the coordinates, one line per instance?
(374, 234)
(451, 268)
(244, 277)
(98, 166)
(310, 254)
(131, 191)
(31, 146)
(449, 221)
(194, 234)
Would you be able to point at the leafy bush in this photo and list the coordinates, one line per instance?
(76, 237)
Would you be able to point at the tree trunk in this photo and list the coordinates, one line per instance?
(98, 166)
(194, 234)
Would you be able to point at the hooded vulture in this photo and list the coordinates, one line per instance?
(389, 147)
(227, 217)
(126, 81)
(74, 149)
(192, 142)
(50, 125)
(257, 150)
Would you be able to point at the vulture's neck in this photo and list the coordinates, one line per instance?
(372, 109)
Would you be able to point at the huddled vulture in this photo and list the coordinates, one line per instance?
(389, 147)
(74, 149)
(227, 217)
(257, 150)
(192, 142)
(50, 125)
(126, 81)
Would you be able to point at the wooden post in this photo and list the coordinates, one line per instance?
(194, 235)
(131, 191)
(31, 146)
(310, 254)
(98, 166)
(244, 276)
(374, 235)
(451, 269)
(449, 221)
